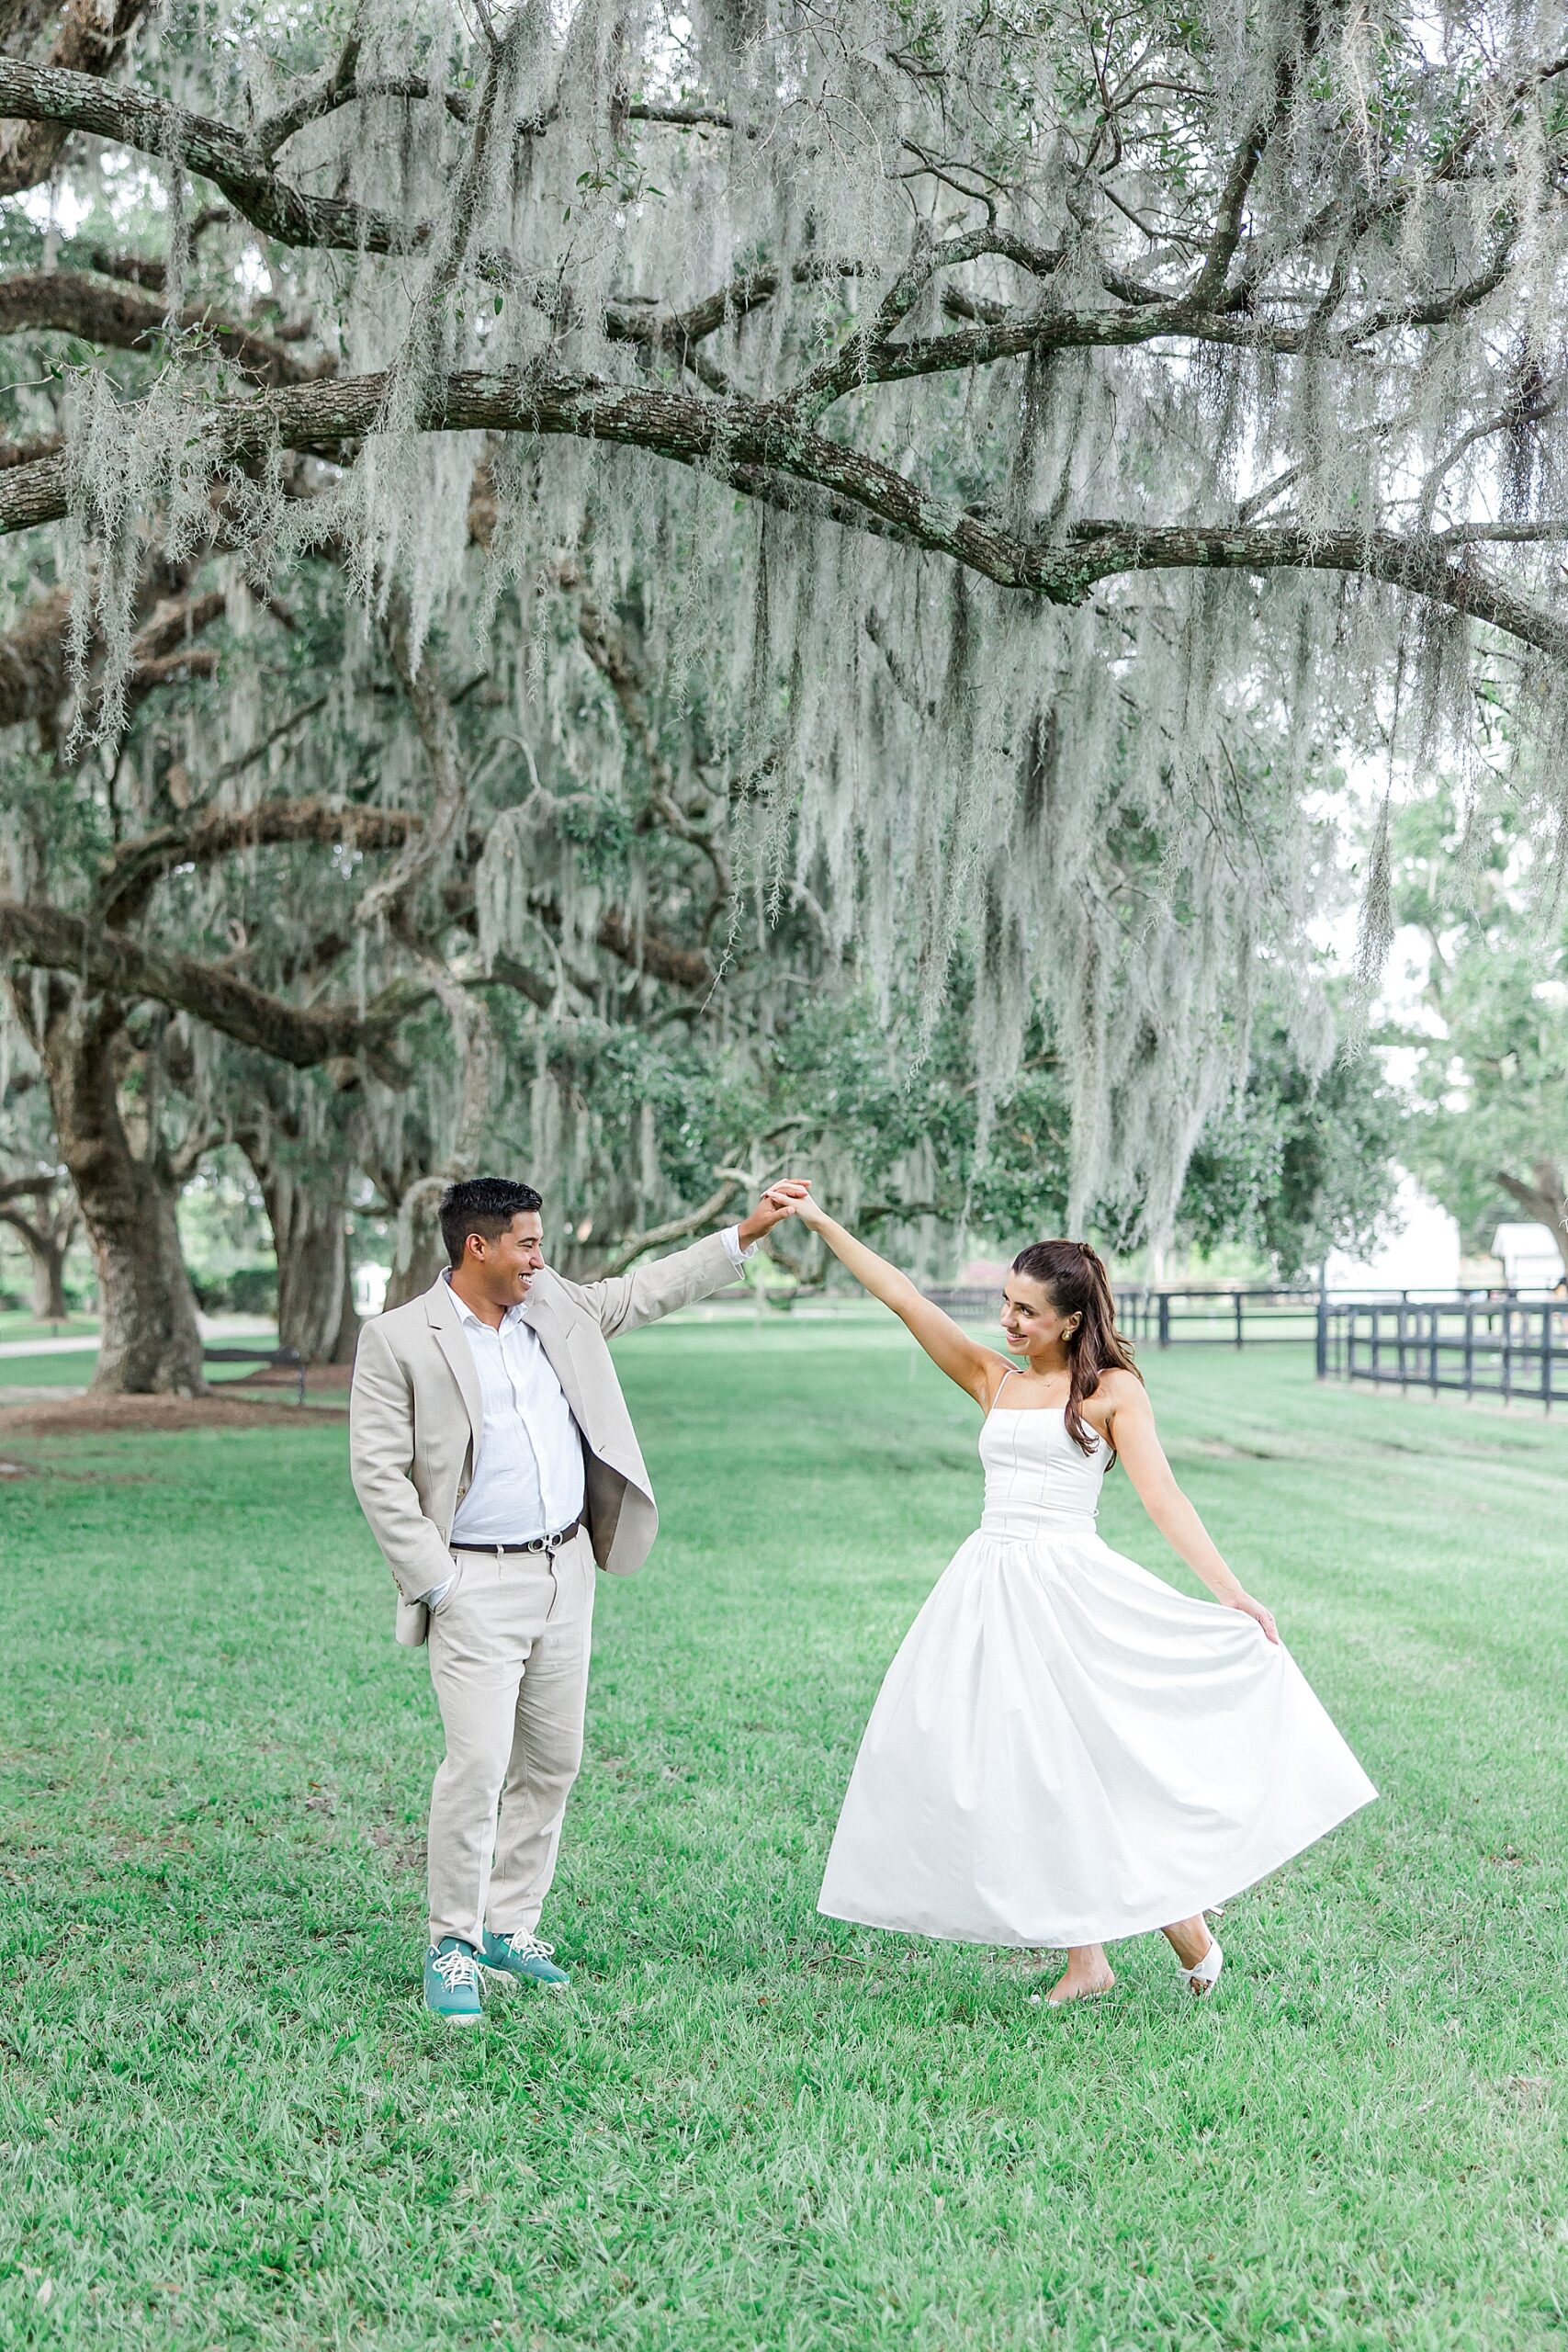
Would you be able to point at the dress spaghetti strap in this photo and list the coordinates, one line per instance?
(1000, 1386)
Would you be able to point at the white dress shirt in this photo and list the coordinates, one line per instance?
(527, 1472)
(528, 1477)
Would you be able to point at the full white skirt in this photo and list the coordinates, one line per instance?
(1066, 1751)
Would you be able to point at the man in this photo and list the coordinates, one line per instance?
(494, 1458)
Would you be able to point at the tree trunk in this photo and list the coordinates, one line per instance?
(418, 1252)
(315, 1290)
(46, 1241)
(301, 1173)
(150, 1343)
(1544, 1201)
(49, 1279)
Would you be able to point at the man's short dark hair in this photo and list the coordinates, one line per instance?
(482, 1205)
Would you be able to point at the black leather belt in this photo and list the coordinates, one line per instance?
(549, 1544)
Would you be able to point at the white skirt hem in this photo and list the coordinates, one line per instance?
(1064, 1939)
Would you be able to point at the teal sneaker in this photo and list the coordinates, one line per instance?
(452, 1982)
(523, 1955)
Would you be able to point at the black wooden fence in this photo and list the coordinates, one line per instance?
(1244, 1316)
(1511, 1345)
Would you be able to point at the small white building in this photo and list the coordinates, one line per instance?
(1528, 1255)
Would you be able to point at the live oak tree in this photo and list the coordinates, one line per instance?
(99, 1009)
(985, 461)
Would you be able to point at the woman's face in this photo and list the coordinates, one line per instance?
(1029, 1320)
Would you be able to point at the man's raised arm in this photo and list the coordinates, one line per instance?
(626, 1300)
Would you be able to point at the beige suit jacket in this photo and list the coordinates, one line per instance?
(415, 1415)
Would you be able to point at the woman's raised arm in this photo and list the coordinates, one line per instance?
(979, 1370)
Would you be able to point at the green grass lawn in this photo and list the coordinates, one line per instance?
(15, 1325)
(71, 1371)
(226, 2121)
(72, 1368)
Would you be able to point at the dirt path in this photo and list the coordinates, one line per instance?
(108, 1416)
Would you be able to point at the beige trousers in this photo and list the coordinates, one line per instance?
(509, 1650)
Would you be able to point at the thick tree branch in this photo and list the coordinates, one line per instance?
(725, 438)
(871, 357)
(738, 440)
(1425, 568)
(1438, 311)
(117, 965)
(68, 301)
(32, 1234)
(1544, 1200)
(173, 622)
(511, 972)
(49, 93)
(137, 866)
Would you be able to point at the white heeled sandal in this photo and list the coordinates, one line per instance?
(1204, 1975)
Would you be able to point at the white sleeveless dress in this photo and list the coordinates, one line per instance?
(1065, 1749)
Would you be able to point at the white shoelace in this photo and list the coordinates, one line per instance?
(456, 1968)
(525, 1946)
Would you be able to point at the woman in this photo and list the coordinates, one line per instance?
(1065, 1750)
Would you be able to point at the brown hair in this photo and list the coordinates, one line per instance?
(1076, 1280)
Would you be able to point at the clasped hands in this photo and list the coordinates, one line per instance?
(791, 1196)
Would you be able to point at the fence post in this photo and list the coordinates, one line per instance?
(1432, 1348)
(1546, 1357)
(1322, 1332)
(1238, 1318)
(1399, 1327)
(1469, 1347)
(1165, 1319)
(1508, 1351)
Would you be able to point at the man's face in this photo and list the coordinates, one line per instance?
(505, 1268)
